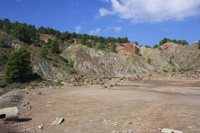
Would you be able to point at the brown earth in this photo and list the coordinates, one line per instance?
(143, 106)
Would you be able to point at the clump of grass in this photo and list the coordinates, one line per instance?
(59, 82)
(173, 69)
(165, 71)
(185, 70)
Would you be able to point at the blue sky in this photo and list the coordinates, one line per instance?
(145, 21)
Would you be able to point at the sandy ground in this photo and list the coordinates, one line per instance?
(143, 107)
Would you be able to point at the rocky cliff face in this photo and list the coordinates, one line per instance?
(182, 57)
(94, 62)
(46, 68)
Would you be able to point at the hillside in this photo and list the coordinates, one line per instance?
(163, 59)
(53, 67)
(182, 56)
(94, 62)
(93, 56)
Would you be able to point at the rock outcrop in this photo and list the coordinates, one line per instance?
(182, 57)
(47, 70)
(94, 62)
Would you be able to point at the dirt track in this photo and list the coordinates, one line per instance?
(143, 107)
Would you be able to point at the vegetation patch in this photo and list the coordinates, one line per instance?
(149, 60)
(171, 60)
(185, 70)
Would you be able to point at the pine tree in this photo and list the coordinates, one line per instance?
(55, 46)
(7, 25)
(101, 46)
(22, 33)
(43, 51)
(58, 34)
(37, 37)
(89, 44)
(2, 42)
(1, 24)
(199, 44)
(114, 48)
(2, 58)
(18, 67)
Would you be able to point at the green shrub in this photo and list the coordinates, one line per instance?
(72, 71)
(102, 83)
(185, 70)
(199, 44)
(165, 71)
(171, 60)
(137, 50)
(2, 58)
(173, 69)
(59, 82)
(2, 42)
(149, 60)
(71, 63)
(113, 48)
(101, 46)
(55, 65)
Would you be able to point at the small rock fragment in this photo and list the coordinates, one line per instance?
(115, 123)
(41, 126)
(128, 123)
(130, 131)
(166, 130)
(189, 127)
(58, 121)
(39, 93)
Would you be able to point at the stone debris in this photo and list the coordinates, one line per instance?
(115, 124)
(39, 93)
(105, 87)
(41, 126)
(128, 123)
(58, 121)
(130, 131)
(110, 122)
(27, 105)
(166, 130)
(189, 127)
(113, 85)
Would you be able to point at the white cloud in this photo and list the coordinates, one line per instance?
(77, 29)
(118, 29)
(95, 32)
(18, 0)
(139, 11)
(104, 12)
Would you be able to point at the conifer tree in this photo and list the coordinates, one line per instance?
(18, 67)
(43, 51)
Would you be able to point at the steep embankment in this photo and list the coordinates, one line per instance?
(94, 62)
(169, 56)
(182, 57)
(51, 68)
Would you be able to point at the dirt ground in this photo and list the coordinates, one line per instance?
(142, 106)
